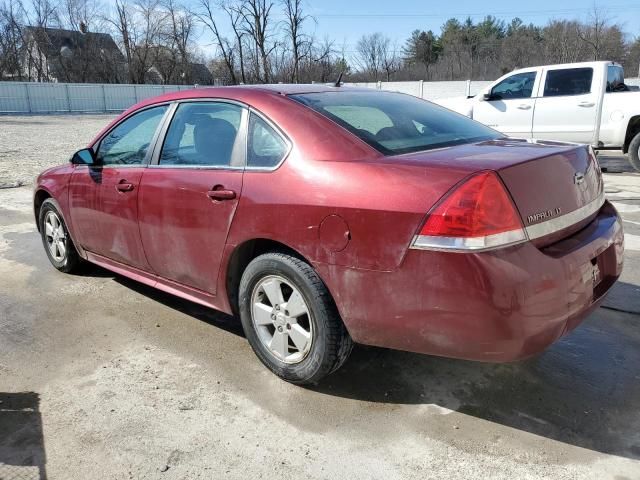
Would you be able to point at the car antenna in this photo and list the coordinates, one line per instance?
(337, 84)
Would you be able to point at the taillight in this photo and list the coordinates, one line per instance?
(477, 215)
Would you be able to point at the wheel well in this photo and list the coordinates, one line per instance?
(38, 199)
(242, 256)
(632, 129)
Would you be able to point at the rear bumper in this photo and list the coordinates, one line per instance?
(500, 305)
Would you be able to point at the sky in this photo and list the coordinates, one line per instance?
(345, 21)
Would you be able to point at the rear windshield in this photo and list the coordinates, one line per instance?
(394, 123)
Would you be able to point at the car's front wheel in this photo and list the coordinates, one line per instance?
(291, 320)
(634, 152)
(56, 240)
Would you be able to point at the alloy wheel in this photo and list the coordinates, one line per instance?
(282, 319)
(56, 236)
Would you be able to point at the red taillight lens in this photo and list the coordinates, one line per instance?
(478, 214)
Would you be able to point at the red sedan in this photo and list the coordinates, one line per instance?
(325, 216)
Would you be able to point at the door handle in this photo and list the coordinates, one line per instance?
(586, 104)
(124, 186)
(220, 193)
(524, 106)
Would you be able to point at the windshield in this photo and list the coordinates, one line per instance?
(394, 123)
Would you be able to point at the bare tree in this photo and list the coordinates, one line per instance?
(178, 38)
(604, 41)
(257, 19)
(295, 17)
(372, 54)
(10, 40)
(204, 13)
(234, 13)
(390, 60)
(123, 23)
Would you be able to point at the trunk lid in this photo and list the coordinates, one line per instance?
(556, 187)
(557, 194)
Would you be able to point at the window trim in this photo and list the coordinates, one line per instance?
(239, 147)
(546, 74)
(278, 131)
(152, 144)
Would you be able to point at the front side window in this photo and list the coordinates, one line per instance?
(266, 148)
(519, 85)
(128, 143)
(202, 134)
(394, 123)
(568, 81)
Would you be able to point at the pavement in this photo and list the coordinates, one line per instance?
(101, 377)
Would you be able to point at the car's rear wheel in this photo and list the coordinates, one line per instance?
(291, 320)
(634, 152)
(56, 240)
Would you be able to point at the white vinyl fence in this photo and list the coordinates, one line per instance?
(428, 90)
(30, 97)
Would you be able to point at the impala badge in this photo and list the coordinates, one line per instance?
(554, 212)
(578, 178)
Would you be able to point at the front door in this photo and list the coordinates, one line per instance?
(103, 198)
(188, 197)
(509, 108)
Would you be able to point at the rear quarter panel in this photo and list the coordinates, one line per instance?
(382, 204)
(617, 110)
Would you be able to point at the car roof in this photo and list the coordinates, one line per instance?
(243, 93)
(293, 88)
(566, 66)
(274, 89)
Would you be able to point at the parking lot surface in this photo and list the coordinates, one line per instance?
(101, 377)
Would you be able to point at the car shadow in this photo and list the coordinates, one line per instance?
(213, 317)
(22, 452)
(614, 163)
(584, 390)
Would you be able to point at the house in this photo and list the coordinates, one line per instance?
(57, 55)
(168, 68)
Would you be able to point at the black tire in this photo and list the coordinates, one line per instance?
(331, 343)
(634, 152)
(70, 262)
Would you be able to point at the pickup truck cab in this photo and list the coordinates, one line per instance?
(576, 102)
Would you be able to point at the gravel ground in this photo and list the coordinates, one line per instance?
(22, 138)
(101, 377)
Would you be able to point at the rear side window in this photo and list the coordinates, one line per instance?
(568, 81)
(202, 134)
(394, 123)
(128, 143)
(266, 148)
(615, 79)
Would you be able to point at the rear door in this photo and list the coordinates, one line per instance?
(566, 109)
(510, 106)
(190, 192)
(103, 198)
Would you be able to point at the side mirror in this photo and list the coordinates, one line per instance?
(487, 96)
(84, 157)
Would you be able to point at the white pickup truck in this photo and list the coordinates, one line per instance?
(576, 102)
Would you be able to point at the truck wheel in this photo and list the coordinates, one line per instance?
(634, 152)
(290, 319)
